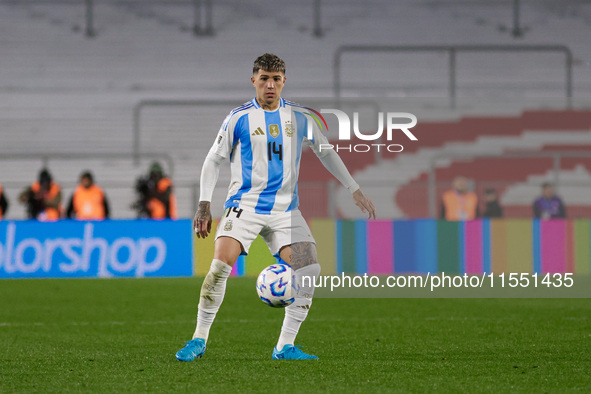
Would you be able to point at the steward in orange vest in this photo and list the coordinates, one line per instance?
(3, 204)
(459, 203)
(43, 198)
(161, 202)
(88, 201)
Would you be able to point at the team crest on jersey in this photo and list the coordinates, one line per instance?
(288, 128)
(274, 130)
(228, 225)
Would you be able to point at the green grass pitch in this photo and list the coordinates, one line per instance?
(121, 335)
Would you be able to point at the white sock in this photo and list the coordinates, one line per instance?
(212, 295)
(296, 313)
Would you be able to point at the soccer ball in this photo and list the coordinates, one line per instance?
(276, 285)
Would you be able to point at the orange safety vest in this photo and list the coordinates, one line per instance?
(89, 203)
(156, 208)
(49, 213)
(460, 206)
(1, 213)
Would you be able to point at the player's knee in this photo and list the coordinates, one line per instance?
(227, 250)
(303, 254)
(227, 257)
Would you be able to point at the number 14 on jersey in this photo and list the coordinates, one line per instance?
(274, 149)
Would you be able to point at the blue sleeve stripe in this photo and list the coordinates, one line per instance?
(246, 158)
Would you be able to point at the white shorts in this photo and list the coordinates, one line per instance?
(277, 230)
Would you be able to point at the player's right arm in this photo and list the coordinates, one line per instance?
(210, 172)
(209, 177)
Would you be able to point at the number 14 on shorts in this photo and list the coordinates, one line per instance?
(236, 210)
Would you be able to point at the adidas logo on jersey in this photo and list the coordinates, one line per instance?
(258, 131)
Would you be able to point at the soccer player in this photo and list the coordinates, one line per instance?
(263, 139)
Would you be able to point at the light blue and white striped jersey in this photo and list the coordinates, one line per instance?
(265, 148)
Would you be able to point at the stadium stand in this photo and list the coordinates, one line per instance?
(62, 92)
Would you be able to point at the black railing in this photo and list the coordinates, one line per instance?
(452, 51)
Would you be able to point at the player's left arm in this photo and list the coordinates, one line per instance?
(333, 163)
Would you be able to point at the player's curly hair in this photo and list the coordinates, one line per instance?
(268, 62)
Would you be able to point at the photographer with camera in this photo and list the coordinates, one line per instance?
(43, 198)
(156, 199)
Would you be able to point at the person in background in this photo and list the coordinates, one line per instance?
(459, 203)
(493, 208)
(3, 204)
(549, 205)
(88, 202)
(160, 200)
(43, 198)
